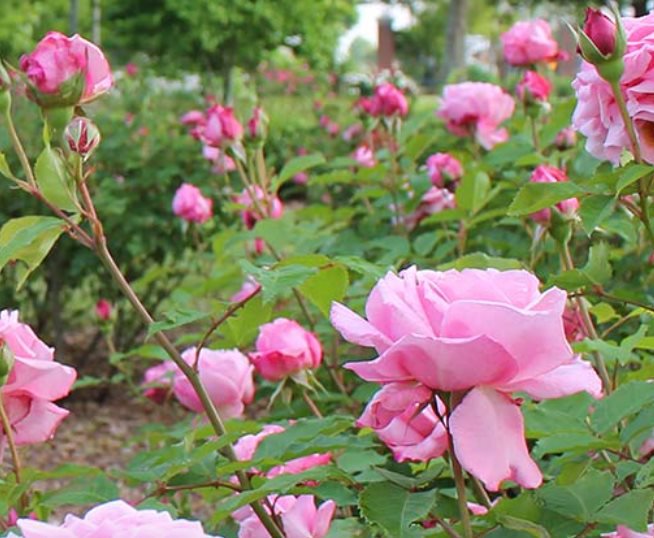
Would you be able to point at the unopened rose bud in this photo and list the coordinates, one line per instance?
(6, 362)
(103, 309)
(602, 42)
(601, 30)
(257, 129)
(82, 136)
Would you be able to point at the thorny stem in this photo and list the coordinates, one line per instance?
(459, 478)
(447, 528)
(9, 434)
(589, 328)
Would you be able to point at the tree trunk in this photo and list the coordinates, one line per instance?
(454, 53)
(96, 17)
(73, 16)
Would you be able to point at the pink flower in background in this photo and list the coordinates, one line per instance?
(34, 382)
(222, 163)
(249, 287)
(55, 64)
(299, 516)
(403, 419)
(597, 115)
(227, 376)
(533, 87)
(443, 168)
(221, 128)
(625, 532)
(551, 174)
(158, 381)
(566, 138)
(364, 156)
(193, 118)
(476, 109)
(103, 309)
(433, 201)
(529, 42)
(285, 348)
(487, 332)
(190, 205)
(271, 206)
(388, 101)
(246, 447)
(131, 69)
(352, 132)
(301, 178)
(115, 519)
(256, 126)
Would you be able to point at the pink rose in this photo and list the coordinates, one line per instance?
(601, 30)
(565, 139)
(227, 376)
(222, 163)
(483, 332)
(352, 132)
(364, 156)
(158, 381)
(34, 382)
(66, 71)
(443, 168)
(247, 445)
(257, 124)
(388, 101)
(131, 69)
(112, 520)
(82, 136)
(301, 178)
(433, 201)
(190, 205)
(404, 423)
(625, 532)
(533, 88)
(250, 287)
(597, 115)
(529, 42)
(285, 348)
(299, 516)
(221, 128)
(103, 309)
(270, 205)
(193, 117)
(550, 174)
(476, 109)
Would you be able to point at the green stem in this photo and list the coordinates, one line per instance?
(312, 405)
(9, 434)
(459, 478)
(19, 149)
(589, 327)
(534, 134)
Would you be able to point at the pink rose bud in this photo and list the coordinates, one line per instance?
(227, 376)
(103, 309)
(271, 206)
(35, 381)
(443, 168)
(66, 71)
(249, 288)
(190, 205)
(258, 125)
(82, 136)
(533, 88)
(131, 70)
(551, 174)
(114, 518)
(566, 139)
(601, 30)
(389, 101)
(285, 348)
(222, 128)
(364, 156)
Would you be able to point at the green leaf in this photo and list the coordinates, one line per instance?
(596, 271)
(54, 181)
(570, 442)
(472, 191)
(594, 210)
(533, 197)
(329, 285)
(175, 319)
(28, 239)
(517, 524)
(628, 399)
(295, 166)
(347, 528)
(278, 280)
(83, 490)
(4, 167)
(242, 327)
(395, 509)
(631, 174)
(630, 509)
(580, 500)
(479, 260)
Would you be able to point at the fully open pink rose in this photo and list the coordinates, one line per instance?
(115, 519)
(529, 42)
(625, 532)
(225, 374)
(299, 516)
(443, 168)
(476, 109)
(545, 173)
(597, 115)
(485, 333)
(190, 205)
(285, 348)
(533, 88)
(34, 382)
(404, 423)
(66, 71)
